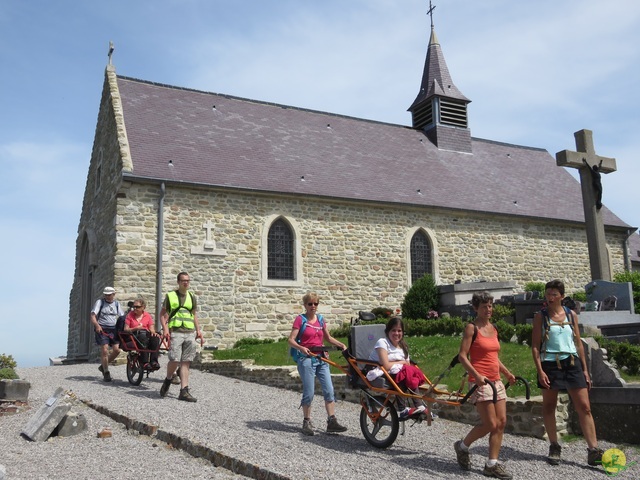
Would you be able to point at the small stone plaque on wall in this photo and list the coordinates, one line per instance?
(208, 247)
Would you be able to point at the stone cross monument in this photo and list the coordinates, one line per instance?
(590, 167)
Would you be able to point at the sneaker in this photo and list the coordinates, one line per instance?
(410, 412)
(147, 366)
(497, 471)
(594, 456)
(307, 427)
(464, 459)
(175, 380)
(107, 378)
(186, 396)
(165, 387)
(155, 365)
(333, 426)
(554, 454)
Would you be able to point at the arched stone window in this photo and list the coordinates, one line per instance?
(422, 254)
(281, 254)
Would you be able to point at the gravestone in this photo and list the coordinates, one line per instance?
(47, 418)
(600, 290)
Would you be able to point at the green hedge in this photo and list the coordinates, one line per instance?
(447, 326)
(624, 354)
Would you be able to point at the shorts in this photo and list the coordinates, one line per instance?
(564, 378)
(484, 393)
(107, 337)
(183, 346)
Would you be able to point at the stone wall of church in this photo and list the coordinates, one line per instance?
(97, 227)
(353, 255)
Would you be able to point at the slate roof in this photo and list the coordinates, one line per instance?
(224, 141)
(436, 79)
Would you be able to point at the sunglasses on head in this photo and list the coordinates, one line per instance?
(312, 304)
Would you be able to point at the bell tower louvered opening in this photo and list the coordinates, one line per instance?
(453, 113)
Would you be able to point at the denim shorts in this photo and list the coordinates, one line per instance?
(183, 346)
(566, 376)
(107, 337)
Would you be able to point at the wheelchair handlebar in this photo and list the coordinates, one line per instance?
(526, 386)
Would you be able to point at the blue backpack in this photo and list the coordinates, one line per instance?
(294, 352)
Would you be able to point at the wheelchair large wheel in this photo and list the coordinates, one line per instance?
(384, 431)
(134, 370)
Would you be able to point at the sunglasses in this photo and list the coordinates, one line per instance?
(311, 304)
(137, 306)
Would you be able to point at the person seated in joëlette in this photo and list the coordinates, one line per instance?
(140, 323)
(392, 352)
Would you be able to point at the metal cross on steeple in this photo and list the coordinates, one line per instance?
(430, 12)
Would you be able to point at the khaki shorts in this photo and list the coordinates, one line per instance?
(183, 346)
(485, 393)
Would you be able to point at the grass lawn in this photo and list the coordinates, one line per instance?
(433, 355)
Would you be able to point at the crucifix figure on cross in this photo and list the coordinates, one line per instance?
(591, 166)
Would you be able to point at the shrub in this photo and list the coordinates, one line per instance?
(503, 312)
(634, 278)
(505, 331)
(422, 297)
(252, 341)
(8, 374)
(7, 366)
(524, 333)
(579, 296)
(624, 354)
(7, 361)
(438, 326)
(535, 287)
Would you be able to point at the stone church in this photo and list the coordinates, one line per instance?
(261, 202)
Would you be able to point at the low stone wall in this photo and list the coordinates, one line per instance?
(524, 417)
(616, 413)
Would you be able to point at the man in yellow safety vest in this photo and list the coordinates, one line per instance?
(180, 324)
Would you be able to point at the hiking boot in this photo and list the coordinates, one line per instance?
(554, 454)
(497, 471)
(333, 426)
(165, 387)
(186, 396)
(594, 456)
(107, 378)
(464, 459)
(307, 427)
(175, 380)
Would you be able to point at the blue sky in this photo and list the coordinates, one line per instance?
(536, 72)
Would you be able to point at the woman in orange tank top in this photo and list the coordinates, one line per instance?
(480, 359)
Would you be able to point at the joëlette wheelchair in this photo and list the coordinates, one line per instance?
(134, 347)
(379, 419)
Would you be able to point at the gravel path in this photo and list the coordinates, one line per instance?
(252, 429)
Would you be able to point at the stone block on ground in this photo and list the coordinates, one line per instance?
(47, 418)
(14, 390)
(71, 424)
